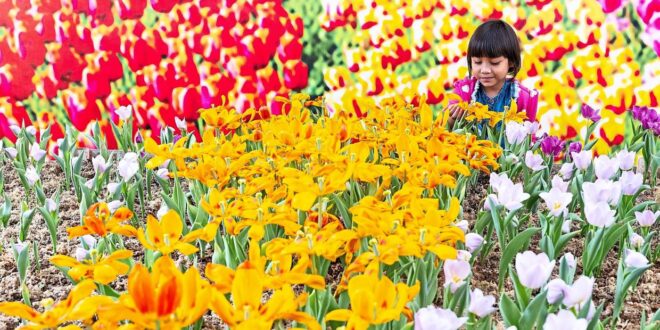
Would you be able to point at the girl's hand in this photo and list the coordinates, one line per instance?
(455, 112)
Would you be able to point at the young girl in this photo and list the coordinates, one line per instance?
(493, 60)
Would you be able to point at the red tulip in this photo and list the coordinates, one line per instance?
(29, 45)
(130, 9)
(186, 102)
(267, 80)
(290, 48)
(163, 6)
(81, 110)
(96, 82)
(16, 80)
(295, 74)
(46, 28)
(45, 83)
(12, 114)
(67, 65)
(109, 135)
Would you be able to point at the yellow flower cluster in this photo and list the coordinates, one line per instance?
(298, 193)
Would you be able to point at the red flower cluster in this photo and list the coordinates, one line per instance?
(165, 57)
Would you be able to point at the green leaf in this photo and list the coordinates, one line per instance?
(343, 210)
(533, 311)
(621, 292)
(509, 310)
(512, 248)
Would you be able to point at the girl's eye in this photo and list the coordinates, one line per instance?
(495, 63)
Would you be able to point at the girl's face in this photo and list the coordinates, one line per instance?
(490, 71)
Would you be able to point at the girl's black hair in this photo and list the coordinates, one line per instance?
(494, 39)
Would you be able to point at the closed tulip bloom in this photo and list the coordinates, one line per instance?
(481, 305)
(128, 166)
(431, 318)
(533, 269)
(473, 241)
(636, 240)
(31, 175)
(534, 161)
(511, 196)
(634, 259)
(99, 164)
(599, 214)
(646, 218)
(556, 290)
(515, 133)
(559, 183)
(36, 153)
(601, 191)
(626, 159)
(605, 167)
(582, 159)
(579, 292)
(564, 320)
(630, 182)
(124, 112)
(566, 170)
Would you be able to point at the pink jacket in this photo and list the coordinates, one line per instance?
(527, 100)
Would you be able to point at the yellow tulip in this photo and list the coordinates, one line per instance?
(99, 221)
(78, 306)
(162, 299)
(99, 268)
(374, 301)
(164, 236)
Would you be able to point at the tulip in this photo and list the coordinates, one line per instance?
(556, 290)
(582, 159)
(99, 164)
(564, 319)
(601, 191)
(128, 166)
(36, 153)
(456, 271)
(575, 147)
(124, 112)
(481, 305)
(163, 173)
(634, 259)
(533, 269)
(590, 113)
(112, 187)
(81, 254)
(557, 200)
(560, 184)
(570, 260)
(552, 145)
(511, 196)
(473, 241)
(515, 132)
(532, 127)
(534, 161)
(626, 159)
(429, 318)
(636, 240)
(50, 204)
(579, 292)
(630, 182)
(646, 218)
(605, 167)
(463, 255)
(599, 214)
(114, 205)
(463, 225)
(12, 152)
(31, 175)
(566, 170)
